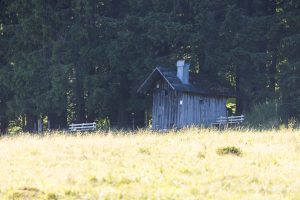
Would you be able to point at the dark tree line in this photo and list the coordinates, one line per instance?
(83, 60)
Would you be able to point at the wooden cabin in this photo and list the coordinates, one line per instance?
(183, 99)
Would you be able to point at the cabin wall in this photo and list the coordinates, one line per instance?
(164, 109)
(173, 109)
(199, 110)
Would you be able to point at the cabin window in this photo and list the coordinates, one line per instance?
(180, 102)
(157, 85)
(201, 101)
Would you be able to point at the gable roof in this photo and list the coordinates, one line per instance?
(197, 84)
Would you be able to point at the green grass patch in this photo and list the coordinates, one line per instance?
(145, 151)
(229, 150)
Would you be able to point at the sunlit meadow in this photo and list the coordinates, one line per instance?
(187, 164)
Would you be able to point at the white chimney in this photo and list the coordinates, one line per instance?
(183, 68)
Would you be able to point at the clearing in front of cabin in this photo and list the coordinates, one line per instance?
(190, 164)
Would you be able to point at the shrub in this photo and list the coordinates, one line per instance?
(103, 124)
(229, 150)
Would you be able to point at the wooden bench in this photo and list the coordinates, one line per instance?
(225, 121)
(82, 127)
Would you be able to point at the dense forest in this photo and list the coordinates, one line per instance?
(69, 61)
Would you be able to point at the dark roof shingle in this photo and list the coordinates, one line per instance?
(197, 84)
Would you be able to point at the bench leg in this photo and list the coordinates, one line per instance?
(226, 126)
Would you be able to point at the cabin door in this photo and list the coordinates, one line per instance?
(165, 109)
(201, 112)
(158, 109)
(168, 111)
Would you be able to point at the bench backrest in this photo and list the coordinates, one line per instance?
(236, 118)
(83, 127)
(231, 119)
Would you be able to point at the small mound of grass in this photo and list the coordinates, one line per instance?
(51, 196)
(185, 171)
(229, 150)
(14, 195)
(70, 193)
(93, 179)
(22, 193)
(32, 189)
(201, 155)
(145, 151)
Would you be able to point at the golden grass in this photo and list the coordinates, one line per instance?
(147, 165)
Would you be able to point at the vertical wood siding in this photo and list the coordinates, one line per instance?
(164, 108)
(167, 112)
(200, 110)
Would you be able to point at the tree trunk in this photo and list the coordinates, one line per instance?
(3, 118)
(31, 122)
(63, 119)
(91, 116)
(274, 51)
(247, 6)
(122, 122)
(140, 117)
(3, 125)
(57, 121)
(239, 93)
(79, 97)
(273, 71)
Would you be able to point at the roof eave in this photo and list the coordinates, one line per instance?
(141, 88)
(209, 94)
(165, 78)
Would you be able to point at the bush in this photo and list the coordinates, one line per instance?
(103, 124)
(229, 150)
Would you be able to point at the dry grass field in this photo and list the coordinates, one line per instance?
(190, 164)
